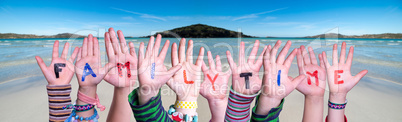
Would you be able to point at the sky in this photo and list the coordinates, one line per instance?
(277, 18)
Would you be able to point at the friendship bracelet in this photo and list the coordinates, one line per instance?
(74, 117)
(186, 104)
(336, 105)
(87, 99)
(79, 108)
(178, 117)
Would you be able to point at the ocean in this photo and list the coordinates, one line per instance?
(381, 57)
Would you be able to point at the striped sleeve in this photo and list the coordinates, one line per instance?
(59, 96)
(150, 111)
(238, 108)
(272, 116)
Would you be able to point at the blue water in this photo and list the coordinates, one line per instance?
(382, 57)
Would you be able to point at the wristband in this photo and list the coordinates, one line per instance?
(74, 117)
(79, 108)
(336, 105)
(186, 104)
(93, 101)
(178, 117)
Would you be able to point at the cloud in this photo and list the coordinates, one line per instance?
(269, 18)
(128, 18)
(255, 15)
(142, 15)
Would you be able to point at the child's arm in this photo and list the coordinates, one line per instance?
(313, 87)
(245, 83)
(90, 73)
(214, 88)
(340, 81)
(276, 83)
(145, 101)
(186, 81)
(121, 77)
(58, 76)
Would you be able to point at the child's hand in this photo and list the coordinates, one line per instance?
(152, 72)
(186, 81)
(60, 70)
(249, 69)
(339, 78)
(314, 84)
(124, 60)
(88, 69)
(276, 83)
(215, 83)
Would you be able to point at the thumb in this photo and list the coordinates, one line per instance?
(41, 64)
(105, 69)
(297, 80)
(173, 70)
(359, 76)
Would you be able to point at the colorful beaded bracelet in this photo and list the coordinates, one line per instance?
(74, 117)
(336, 105)
(178, 117)
(79, 108)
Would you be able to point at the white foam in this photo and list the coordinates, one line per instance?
(392, 43)
(5, 43)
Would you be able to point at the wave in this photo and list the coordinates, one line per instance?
(5, 43)
(392, 43)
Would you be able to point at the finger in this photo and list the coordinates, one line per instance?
(41, 64)
(74, 55)
(290, 58)
(65, 51)
(141, 53)
(157, 44)
(132, 50)
(79, 54)
(283, 53)
(96, 47)
(335, 55)
(306, 58)
(312, 56)
(359, 76)
(182, 48)
(322, 65)
(114, 41)
(211, 60)
(343, 53)
(204, 67)
(254, 51)
(274, 51)
(218, 63)
(173, 70)
(55, 53)
(109, 48)
(297, 80)
(200, 57)
(150, 45)
(165, 48)
(350, 56)
(232, 64)
(241, 54)
(324, 56)
(123, 43)
(90, 45)
(174, 58)
(189, 55)
(300, 63)
(84, 47)
(107, 67)
(267, 54)
(259, 60)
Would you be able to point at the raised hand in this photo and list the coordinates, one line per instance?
(186, 82)
(61, 70)
(314, 84)
(276, 83)
(215, 83)
(340, 80)
(125, 72)
(88, 67)
(214, 87)
(246, 70)
(152, 72)
(313, 87)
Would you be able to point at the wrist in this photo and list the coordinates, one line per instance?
(88, 90)
(337, 97)
(314, 99)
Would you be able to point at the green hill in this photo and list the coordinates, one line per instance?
(200, 31)
(367, 36)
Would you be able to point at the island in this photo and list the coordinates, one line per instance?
(31, 36)
(365, 36)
